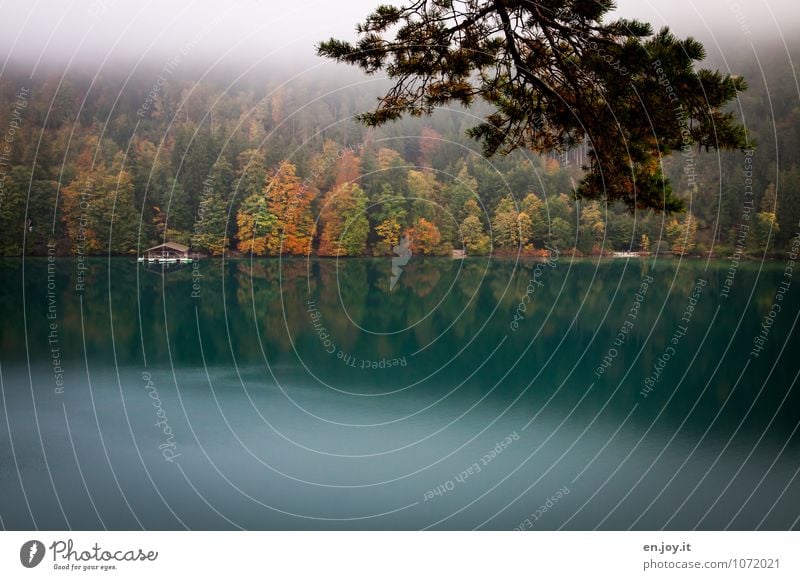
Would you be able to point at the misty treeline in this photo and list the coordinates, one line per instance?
(115, 165)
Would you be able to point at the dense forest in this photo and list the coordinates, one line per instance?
(113, 163)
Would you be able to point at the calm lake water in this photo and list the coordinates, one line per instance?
(476, 394)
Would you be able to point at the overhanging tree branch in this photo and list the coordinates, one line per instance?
(557, 73)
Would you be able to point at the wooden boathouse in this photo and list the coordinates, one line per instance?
(169, 252)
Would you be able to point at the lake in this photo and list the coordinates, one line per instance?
(489, 394)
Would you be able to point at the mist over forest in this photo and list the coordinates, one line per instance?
(119, 158)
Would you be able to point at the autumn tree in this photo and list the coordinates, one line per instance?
(344, 222)
(534, 207)
(475, 240)
(425, 237)
(422, 187)
(348, 168)
(505, 224)
(645, 243)
(388, 214)
(524, 228)
(388, 232)
(591, 232)
(255, 225)
(98, 209)
(682, 235)
(471, 208)
(290, 202)
(388, 158)
(558, 73)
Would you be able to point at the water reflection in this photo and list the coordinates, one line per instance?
(312, 395)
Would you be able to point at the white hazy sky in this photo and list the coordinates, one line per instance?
(89, 30)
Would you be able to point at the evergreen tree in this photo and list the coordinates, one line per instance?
(557, 74)
(255, 224)
(789, 204)
(193, 156)
(765, 227)
(459, 192)
(211, 228)
(562, 235)
(12, 210)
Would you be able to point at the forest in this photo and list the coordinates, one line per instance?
(263, 165)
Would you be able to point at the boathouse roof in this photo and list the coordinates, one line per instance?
(169, 246)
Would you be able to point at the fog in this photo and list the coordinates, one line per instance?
(243, 32)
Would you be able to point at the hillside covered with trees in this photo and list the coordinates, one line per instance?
(268, 166)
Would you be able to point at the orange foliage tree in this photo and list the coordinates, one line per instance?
(348, 169)
(290, 202)
(97, 209)
(425, 237)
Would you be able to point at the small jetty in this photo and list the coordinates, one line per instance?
(167, 253)
(627, 254)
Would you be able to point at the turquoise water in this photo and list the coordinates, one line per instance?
(478, 394)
